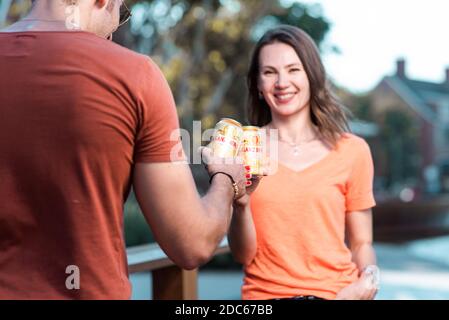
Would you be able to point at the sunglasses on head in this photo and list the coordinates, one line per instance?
(125, 14)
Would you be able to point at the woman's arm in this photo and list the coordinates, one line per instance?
(242, 234)
(359, 226)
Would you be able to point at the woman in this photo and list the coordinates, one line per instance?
(289, 233)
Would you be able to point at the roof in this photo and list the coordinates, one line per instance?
(419, 95)
(429, 92)
(424, 86)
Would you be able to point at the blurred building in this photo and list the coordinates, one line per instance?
(426, 105)
(367, 130)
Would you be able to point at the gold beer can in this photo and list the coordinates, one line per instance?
(252, 151)
(227, 138)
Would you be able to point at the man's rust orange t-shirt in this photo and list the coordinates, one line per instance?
(300, 224)
(76, 113)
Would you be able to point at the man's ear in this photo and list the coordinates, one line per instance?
(100, 4)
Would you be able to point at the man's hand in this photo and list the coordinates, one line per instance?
(232, 166)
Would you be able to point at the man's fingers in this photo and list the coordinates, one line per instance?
(206, 154)
(229, 160)
(208, 157)
(239, 160)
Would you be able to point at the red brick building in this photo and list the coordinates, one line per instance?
(426, 106)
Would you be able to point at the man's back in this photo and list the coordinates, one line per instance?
(76, 112)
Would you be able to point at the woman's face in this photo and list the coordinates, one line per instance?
(283, 80)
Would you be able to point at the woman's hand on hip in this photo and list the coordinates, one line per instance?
(362, 289)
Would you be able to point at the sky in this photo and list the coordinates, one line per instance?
(373, 34)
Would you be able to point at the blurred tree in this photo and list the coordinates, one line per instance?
(361, 107)
(204, 46)
(12, 10)
(399, 136)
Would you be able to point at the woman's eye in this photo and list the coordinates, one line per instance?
(295, 70)
(268, 72)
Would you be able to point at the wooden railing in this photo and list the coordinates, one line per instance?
(169, 281)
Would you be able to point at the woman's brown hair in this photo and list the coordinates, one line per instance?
(327, 113)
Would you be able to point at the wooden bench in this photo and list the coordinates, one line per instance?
(169, 281)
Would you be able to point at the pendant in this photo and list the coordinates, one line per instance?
(296, 151)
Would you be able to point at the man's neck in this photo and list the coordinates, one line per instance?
(27, 25)
(49, 16)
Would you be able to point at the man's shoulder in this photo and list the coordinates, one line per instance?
(81, 43)
(145, 62)
(111, 48)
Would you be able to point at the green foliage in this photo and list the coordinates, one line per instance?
(310, 19)
(12, 10)
(137, 231)
(204, 47)
(361, 108)
(399, 137)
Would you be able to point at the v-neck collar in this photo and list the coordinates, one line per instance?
(312, 166)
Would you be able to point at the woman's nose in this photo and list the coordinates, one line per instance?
(282, 81)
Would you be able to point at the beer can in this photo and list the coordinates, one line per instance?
(227, 138)
(252, 151)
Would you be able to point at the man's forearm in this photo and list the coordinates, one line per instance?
(217, 204)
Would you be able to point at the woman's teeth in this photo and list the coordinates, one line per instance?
(285, 96)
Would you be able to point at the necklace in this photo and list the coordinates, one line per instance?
(295, 146)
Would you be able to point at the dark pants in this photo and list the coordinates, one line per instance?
(302, 298)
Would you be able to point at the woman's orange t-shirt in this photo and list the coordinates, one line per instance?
(300, 224)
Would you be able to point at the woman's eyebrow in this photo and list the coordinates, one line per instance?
(296, 64)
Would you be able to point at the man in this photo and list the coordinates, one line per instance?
(81, 120)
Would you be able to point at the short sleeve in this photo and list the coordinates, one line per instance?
(359, 195)
(158, 134)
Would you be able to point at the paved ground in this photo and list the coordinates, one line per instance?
(412, 271)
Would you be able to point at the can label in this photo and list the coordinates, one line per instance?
(227, 138)
(252, 150)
